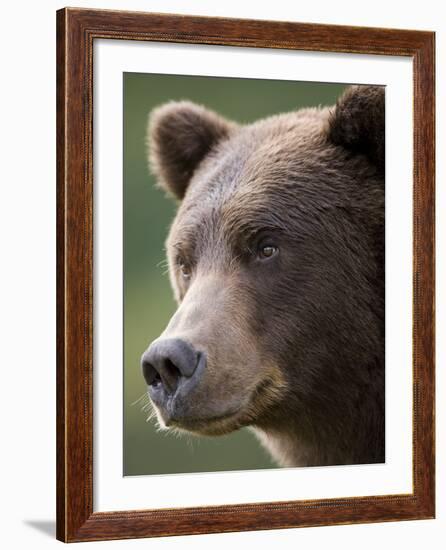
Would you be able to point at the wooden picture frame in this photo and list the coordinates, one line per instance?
(77, 29)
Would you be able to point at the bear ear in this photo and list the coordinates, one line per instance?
(358, 122)
(180, 135)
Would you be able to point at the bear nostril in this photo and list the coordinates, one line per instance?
(151, 375)
(170, 376)
(156, 382)
(165, 375)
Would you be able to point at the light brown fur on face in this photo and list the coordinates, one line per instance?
(292, 343)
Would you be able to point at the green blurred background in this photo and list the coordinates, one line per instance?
(148, 302)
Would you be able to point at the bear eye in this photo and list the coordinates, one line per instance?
(267, 251)
(185, 269)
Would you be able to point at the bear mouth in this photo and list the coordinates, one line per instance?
(208, 425)
(243, 414)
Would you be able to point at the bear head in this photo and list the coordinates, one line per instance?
(276, 259)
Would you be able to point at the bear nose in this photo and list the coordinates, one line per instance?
(166, 362)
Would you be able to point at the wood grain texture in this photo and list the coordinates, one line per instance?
(76, 31)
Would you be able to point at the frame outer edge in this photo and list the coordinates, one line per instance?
(60, 276)
(424, 254)
(74, 281)
(75, 518)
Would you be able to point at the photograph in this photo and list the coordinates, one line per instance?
(254, 277)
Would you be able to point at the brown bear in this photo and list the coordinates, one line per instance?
(276, 259)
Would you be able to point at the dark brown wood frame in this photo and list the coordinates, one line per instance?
(76, 31)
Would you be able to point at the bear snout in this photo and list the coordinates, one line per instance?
(171, 368)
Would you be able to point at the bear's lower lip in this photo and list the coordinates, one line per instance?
(201, 424)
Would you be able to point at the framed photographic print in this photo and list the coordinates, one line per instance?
(245, 275)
